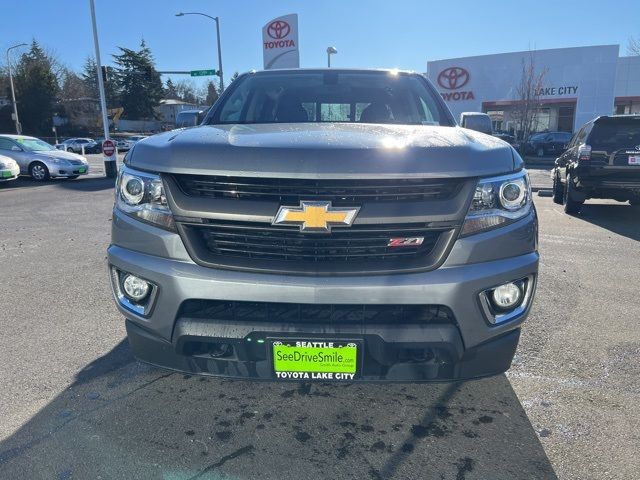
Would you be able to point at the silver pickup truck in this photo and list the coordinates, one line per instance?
(325, 225)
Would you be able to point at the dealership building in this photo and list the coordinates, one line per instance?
(578, 84)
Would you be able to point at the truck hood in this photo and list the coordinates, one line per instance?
(332, 150)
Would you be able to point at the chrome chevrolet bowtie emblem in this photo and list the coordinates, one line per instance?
(316, 216)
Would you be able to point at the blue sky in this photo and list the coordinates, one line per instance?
(398, 33)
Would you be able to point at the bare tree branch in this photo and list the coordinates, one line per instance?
(528, 102)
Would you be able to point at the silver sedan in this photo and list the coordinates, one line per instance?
(40, 160)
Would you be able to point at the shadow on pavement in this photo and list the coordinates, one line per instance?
(621, 219)
(121, 419)
(82, 184)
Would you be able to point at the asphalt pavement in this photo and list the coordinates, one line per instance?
(74, 403)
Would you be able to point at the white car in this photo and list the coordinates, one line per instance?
(9, 169)
(40, 160)
(125, 144)
(76, 145)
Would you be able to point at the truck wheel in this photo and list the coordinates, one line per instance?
(558, 190)
(571, 206)
(39, 171)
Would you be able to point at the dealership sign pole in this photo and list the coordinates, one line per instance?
(280, 43)
(110, 166)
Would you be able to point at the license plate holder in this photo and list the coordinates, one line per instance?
(315, 359)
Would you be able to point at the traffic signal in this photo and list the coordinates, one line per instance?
(104, 73)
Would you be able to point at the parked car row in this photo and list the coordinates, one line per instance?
(23, 155)
(90, 145)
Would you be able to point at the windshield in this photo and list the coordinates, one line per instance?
(34, 145)
(364, 97)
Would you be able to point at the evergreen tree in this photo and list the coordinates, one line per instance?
(90, 79)
(170, 91)
(212, 94)
(139, 83)
(36, 90)
(6, 124)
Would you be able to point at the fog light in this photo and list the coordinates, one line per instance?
(506, 296)
(135, 288)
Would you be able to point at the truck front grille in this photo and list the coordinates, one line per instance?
(292, 190)
(263, 247)
(404, 224)
(338, 314)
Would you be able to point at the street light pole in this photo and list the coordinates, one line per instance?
(110, 167)
(13, 92)
(330, 51)
(217, 20)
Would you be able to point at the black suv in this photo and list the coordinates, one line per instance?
(601, 161)
(546, 143)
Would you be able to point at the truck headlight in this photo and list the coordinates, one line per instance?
(498, 201)
(141, 195)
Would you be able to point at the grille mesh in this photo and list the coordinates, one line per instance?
(338, 191)
(316, 313)
(357, 243)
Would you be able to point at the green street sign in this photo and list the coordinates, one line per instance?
(203, 73)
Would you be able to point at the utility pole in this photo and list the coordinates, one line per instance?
(13, 92)
(110, 164)
(217, 20)
(219, 55)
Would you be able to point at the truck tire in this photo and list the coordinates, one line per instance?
(558, 190)
(571, 206)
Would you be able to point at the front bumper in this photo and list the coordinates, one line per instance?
(68, 170)
(468, 347)
(7, 174)
(450, 362)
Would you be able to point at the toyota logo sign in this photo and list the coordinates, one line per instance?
(453, 78)
(278, 29)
